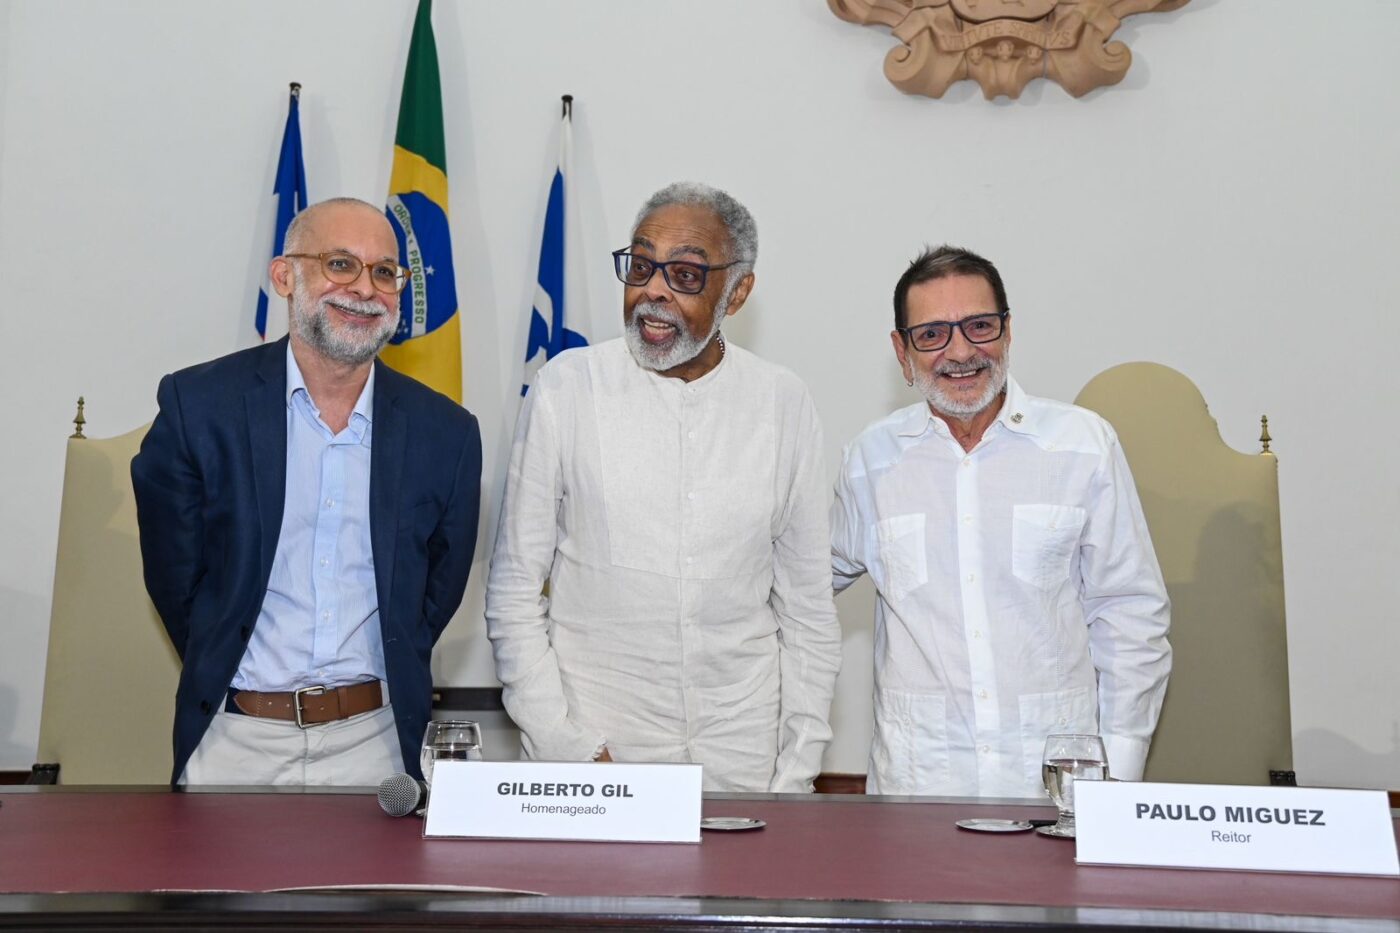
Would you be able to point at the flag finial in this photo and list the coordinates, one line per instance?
(568, 104)
(296, 89)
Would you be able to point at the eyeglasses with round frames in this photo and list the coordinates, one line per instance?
(343, 268)
(935, 335)
(681, 275)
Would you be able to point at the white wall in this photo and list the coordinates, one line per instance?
(1229, 210)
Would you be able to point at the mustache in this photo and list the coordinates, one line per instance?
(346, 303)
(657, 313)
(950, 367)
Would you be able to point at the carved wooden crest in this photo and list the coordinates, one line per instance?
(1001, 44)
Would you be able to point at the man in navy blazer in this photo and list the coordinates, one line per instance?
(308, 518)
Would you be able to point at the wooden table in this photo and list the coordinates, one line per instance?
(151, 857)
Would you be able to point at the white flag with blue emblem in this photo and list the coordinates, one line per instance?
(288, 198)
(549, 332)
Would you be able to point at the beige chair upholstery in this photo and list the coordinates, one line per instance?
(109, 689)
(1214, 517)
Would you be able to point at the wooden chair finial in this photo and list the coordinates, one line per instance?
(79, 421)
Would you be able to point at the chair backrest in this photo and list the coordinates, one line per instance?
(109, 688)
(1214, 517)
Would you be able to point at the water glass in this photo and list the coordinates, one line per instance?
(1070, 758)
(449, 740)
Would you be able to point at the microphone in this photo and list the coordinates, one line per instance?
(402, 794)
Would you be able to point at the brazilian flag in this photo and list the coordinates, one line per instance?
(428, 344)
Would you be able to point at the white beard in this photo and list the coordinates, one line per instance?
(928, 386)
(685, 347)
(310, 320)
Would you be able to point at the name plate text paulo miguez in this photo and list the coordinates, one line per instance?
(1298, 829)
(592, 801)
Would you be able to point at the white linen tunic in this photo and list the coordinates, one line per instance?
(682, 528)
(1018, 596)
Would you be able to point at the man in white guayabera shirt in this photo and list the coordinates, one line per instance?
(669, 489)
(1019, 595)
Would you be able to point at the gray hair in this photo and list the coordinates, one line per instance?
(738, 222)
(296, 230)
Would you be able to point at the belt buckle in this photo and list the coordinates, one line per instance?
(296, 702)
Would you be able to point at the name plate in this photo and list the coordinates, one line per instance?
(1299, 829)
(590, 801)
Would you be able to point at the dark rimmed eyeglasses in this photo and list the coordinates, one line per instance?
(935, 335)
(343, 268)
(681, 275)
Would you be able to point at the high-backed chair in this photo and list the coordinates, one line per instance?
(1214, 517)
(109, 688)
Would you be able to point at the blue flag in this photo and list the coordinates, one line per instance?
(288, 198)
(548, 334)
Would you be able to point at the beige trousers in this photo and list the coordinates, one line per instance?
(357, 752)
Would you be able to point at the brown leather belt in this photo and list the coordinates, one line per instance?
(311, 706)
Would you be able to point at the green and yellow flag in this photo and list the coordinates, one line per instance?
(428, 345)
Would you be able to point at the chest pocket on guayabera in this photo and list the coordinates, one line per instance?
(900, 539)
(1043, 541)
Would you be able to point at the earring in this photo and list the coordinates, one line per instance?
(909, 383)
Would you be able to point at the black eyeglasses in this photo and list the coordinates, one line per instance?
(935, 335)
(683, 276)
(344, 268)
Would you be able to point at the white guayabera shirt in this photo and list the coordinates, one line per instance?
(682, 528)
(1019, 596)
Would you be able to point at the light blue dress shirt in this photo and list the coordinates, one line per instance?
(319, 622)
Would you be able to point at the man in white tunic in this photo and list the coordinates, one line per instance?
(1018, 592)
(669, 488)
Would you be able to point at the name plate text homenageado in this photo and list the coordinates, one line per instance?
(594, 801)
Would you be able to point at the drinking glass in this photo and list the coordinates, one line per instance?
(1070, 758)
(449, 740)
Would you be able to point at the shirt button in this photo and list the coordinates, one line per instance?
(326, 614)
(986, 749)
(1064, 722)
(690, 434)
(967, 519)
(690, 560)
(967, 462)
(972, 578)
(325, 562)
(330, 503)
(690, 495)
(977, 633)
(983, 695)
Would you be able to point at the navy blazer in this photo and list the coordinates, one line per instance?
(210, 481)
